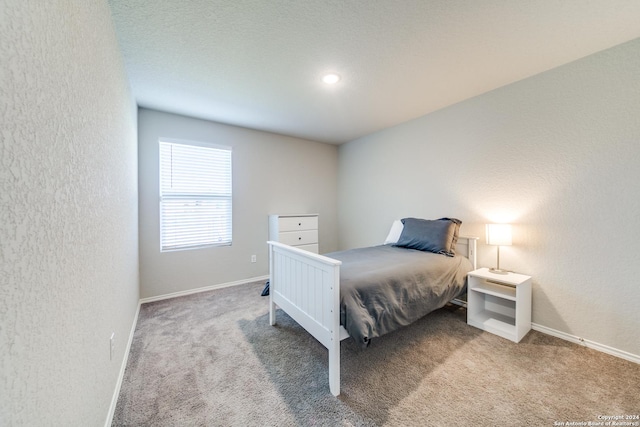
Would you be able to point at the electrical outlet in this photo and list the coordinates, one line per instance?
(253, 258)
(112, 345)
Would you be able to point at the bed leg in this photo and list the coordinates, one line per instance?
(334, 367)
(272, 310)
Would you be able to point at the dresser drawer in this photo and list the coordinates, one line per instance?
(294, 223)
(297, 238)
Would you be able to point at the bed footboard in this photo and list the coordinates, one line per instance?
(307, 287)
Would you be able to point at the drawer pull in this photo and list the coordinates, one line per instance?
(299, 238)
(299, 223)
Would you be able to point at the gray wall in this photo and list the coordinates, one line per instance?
(556, 155)
(271, 174)
(68, 203)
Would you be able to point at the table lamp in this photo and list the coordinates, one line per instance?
(498, 235)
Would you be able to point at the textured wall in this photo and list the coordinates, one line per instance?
(555, 154)
(271, 174)
(68, 193)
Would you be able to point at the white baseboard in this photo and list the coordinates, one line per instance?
(203, 289)
(590, 344)
(116, 392)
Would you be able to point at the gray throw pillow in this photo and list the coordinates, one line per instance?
(439, 236)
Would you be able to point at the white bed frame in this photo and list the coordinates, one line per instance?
(307, 287)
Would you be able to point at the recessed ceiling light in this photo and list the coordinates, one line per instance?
(331, 78)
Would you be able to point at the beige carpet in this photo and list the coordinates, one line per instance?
(211, 359)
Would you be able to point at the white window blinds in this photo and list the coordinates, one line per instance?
(195, 195)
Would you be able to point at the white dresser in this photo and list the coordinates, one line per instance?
(300, 231)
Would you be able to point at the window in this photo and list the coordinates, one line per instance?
(195, 195)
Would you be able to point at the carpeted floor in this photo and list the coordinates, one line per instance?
(211, 359)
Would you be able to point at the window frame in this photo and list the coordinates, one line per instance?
(194, 196)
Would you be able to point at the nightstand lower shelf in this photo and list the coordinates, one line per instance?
(495, 323)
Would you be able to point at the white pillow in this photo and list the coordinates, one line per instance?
(394, 233)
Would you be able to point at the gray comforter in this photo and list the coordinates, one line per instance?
(386, 287)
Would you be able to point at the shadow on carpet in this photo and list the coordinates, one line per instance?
(374, 380)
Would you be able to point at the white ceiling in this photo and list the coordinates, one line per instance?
(259, 63)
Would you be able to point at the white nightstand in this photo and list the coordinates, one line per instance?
(499, 303)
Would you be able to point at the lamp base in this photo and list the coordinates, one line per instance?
(498, 271)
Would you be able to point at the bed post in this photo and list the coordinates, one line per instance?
(334, 347)
(472, 251)
(272, 305)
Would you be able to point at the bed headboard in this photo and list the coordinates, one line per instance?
(466, 247)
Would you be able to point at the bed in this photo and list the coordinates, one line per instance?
(367, 292)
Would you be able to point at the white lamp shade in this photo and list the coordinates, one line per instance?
(499, 234)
